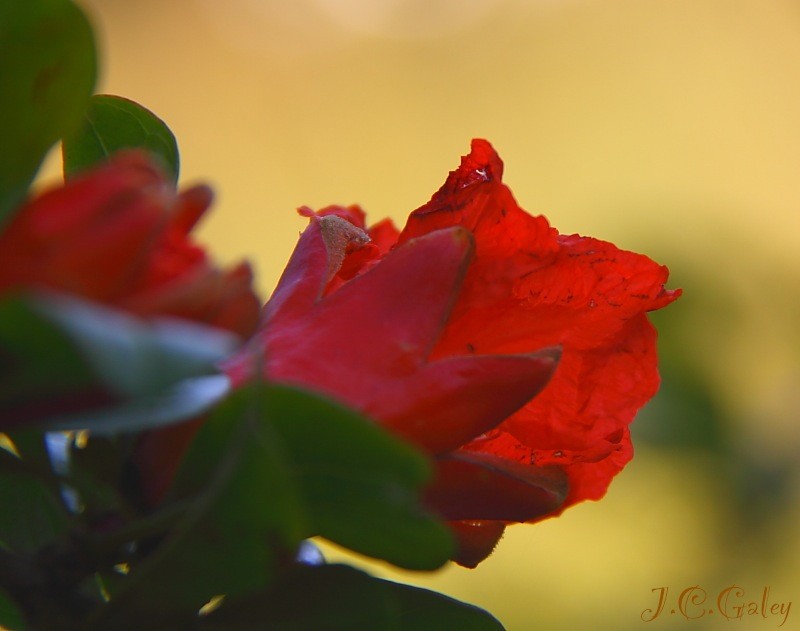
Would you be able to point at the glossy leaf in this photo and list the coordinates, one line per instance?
(360, 483)
(340, 598)
(47, 65)
(113, 123)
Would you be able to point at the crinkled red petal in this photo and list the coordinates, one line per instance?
(529, 287)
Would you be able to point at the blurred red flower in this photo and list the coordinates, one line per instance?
(119, 235)
(447, 332)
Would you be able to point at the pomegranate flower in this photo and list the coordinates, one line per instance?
(516, 356)
(119, 235)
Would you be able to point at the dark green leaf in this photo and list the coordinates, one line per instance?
(97, 473)
(340, 598)
(360, 484)
(38, 363)
(47, 65)
(31, 446)
(113, 123)
(423, 609)
(271, 466)
(32, 513)
(246, 517)
(10, 616)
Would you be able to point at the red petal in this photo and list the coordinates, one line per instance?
(378, 327)
(580, 421)
(190, 207)
(367, 343)
(384, 235)
(476, 540)
(450, 401)
(316, 258)
(89, 236)
(474, 486)
(528, 288)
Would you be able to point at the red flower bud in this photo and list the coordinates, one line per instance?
(119, 235)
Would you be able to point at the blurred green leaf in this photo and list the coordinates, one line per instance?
(359, 483)
(178, 402)
(31, 446)
(136, 357)
(244, 519)
(97, 472)
(39, 364)
(47, 65)
(104, 457)
(10, 616)
(340, 598)
(60, 356)
(684, 414)
(424, 609)
(687, 412)
(32, 513)
(113, 123)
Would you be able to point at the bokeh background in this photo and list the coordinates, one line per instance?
(670, 127)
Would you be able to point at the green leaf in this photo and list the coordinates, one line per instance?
(64, 356)
(340, 598)
(274, 465)
(10, 616)
(179, 402)
(48, 66)
(113, 123)
(97, 472)
(424, 609)
(32, 514)
(39, 363)
(360, 484)
(246, 517)
(135, 357)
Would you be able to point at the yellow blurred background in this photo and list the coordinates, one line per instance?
(670, 127)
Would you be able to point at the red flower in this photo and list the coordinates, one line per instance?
(119, 235)
(446, 332)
